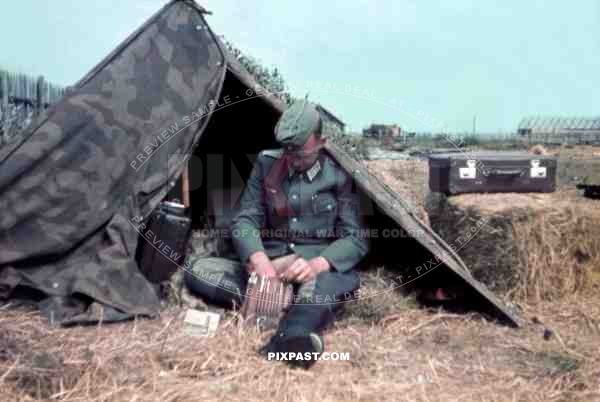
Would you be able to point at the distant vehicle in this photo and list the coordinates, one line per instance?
(590, 186)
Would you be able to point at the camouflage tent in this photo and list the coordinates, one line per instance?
(115, 146)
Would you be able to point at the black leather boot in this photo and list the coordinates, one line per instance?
(301, 349)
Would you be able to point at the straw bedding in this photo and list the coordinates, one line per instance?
(398, 352)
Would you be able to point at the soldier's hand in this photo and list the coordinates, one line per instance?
(259, 262)
(293, 271)
(302, 271)
(316, 266)
(265, 270)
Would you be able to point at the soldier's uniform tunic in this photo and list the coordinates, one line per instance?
(326, 221)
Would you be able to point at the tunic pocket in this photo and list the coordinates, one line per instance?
(324, 204)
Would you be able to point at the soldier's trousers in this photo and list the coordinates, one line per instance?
(223, 282)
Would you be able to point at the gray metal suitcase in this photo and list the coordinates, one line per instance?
(492, 172)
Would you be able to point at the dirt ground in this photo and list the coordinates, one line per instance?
(397, 350)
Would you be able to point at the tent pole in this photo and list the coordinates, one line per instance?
(185, 184)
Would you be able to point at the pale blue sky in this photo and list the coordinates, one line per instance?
(442, 61)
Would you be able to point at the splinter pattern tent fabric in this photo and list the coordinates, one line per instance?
(70, 185)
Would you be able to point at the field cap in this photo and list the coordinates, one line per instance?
(297, 123)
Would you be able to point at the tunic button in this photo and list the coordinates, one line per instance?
(294, 196)
(294, 219)
(314, 196)
(292, 245)
(329, 207)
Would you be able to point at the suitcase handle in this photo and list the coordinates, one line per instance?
(503, 172)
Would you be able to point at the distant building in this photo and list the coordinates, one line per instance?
(332, 124)
(382, 130)
(561, 130)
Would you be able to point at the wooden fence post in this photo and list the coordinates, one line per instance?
(4, 89)
(4, 103)
(39, 102)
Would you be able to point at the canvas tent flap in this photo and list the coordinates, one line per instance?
(109, 151)
(442, 255)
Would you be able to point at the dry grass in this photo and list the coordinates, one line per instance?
(533, 246)
(408, 178)
(576, 162)
(398, 352)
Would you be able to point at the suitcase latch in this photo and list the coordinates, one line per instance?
(537, 171)
(469, 172)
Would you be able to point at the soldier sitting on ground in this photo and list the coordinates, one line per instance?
(298, 200)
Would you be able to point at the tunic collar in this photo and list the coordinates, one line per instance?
(311, 173)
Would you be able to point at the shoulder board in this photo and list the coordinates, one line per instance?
(336, 166)
(273, 153)
(330, 160)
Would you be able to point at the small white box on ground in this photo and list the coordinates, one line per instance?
(200, 323)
